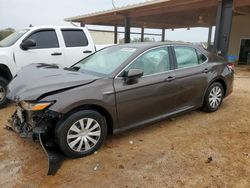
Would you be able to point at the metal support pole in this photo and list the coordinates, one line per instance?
(142, 34)
(127, 29)
(115, 34)
(223, 26)
(210, 29)
(163, 35)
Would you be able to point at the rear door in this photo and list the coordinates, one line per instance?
(191, 76)
(47, 49)
(153, 96)
(77, 45)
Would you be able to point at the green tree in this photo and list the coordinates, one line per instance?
(6, 32)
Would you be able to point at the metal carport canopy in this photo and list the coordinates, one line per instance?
(159, 14)
(171, 14)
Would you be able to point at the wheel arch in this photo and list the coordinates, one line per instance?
(217, 79)
(5, 72)
(103, 111)
(221, 81)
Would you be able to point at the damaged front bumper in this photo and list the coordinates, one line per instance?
(39, 126)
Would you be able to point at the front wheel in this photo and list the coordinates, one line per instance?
(81, 134)
(214, 97)
(3, 91)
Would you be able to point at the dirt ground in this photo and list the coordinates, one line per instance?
(193, 150)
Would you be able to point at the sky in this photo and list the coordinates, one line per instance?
(18, 14)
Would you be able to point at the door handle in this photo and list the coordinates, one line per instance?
(206, 70)
(87, 51)
(56, 53)
(170, 78)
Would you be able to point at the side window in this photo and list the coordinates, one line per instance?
(185, 56)
(152, 62)
(74, 38)
(45, 39)
(201, 57)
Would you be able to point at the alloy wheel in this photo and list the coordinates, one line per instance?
(83, 134)
(215, 97)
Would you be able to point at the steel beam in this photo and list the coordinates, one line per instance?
(223, 26)
(127, 29)
(163, 35)
(210, 29)
(115, 34)
(142, 34)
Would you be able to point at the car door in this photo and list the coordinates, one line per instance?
(153, 95)
(47, 49)
(77, 45)
(191, 76)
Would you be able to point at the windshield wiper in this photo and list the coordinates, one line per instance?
(71, 69)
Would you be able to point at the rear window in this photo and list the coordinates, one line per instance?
(74, 38)
(186, 57)
(201, 57)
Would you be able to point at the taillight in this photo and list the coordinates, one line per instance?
(230, 66)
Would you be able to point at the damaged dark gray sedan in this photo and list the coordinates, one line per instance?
(115, 89)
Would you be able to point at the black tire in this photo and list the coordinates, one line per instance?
(62, 130)
(207, 105)
(3, 85)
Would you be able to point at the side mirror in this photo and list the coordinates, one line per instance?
(25, 45)
(132, 75)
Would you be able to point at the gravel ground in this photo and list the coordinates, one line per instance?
(193, 150)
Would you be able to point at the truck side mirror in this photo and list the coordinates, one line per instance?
(29, 43)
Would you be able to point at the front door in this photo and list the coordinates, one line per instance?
(47, 49)
(152, 96)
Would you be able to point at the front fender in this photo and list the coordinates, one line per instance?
(7, 59)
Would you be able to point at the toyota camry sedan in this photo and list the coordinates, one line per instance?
(115, 89)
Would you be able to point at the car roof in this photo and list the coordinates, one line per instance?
(147, 45)
(50, 26)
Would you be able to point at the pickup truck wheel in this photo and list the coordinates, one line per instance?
(81, 133)
(3, 91)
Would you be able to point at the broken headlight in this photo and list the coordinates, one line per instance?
(35, 106)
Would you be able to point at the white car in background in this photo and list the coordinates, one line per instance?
(47, 44)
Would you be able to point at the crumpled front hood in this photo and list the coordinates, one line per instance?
(36, 80)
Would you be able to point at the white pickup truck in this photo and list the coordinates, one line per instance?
(53, 45)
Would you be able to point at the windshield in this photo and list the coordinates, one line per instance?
(11, 39)
(106, 60)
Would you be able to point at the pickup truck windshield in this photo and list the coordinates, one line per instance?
(105, 61)
(11, 39)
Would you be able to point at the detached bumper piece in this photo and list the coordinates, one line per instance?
(38, 127)
(55, 158)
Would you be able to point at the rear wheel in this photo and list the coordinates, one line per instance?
(81, 134)
(3, 91)
(213, 97)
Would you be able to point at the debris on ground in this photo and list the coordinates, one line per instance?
(209, 160)
(247, 154)
(244, 132)
(121, 166)
(96, 167)
(131, 142)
